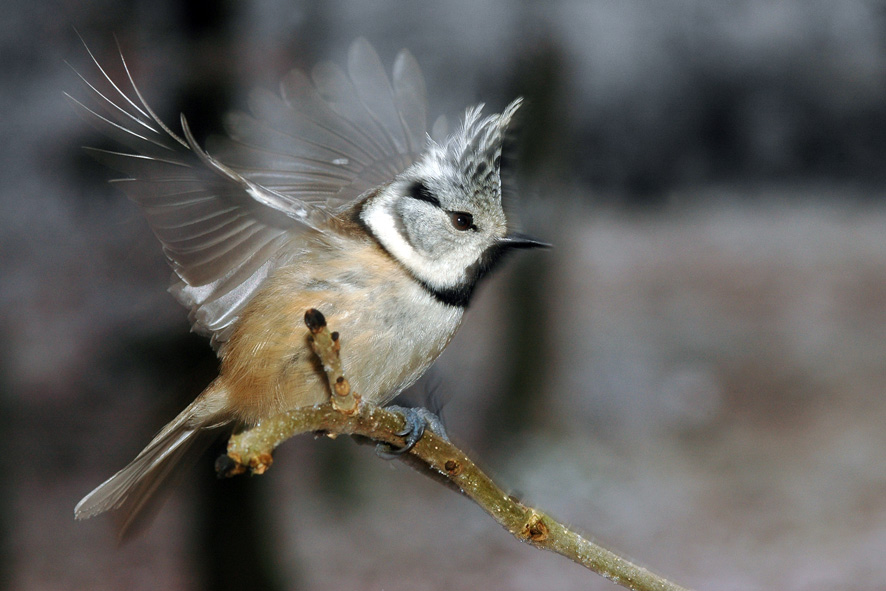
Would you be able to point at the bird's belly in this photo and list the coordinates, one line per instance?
(390, 331)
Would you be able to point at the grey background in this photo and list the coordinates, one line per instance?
(693, 376)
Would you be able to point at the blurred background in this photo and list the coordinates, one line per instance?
(694, 376)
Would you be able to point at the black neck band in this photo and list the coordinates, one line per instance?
(458, 297)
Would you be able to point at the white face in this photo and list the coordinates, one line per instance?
(434, 229)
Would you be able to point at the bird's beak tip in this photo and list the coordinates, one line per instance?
(516, 240)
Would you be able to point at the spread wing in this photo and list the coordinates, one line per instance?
(296, 160)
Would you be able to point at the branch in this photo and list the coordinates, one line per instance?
(251, 450)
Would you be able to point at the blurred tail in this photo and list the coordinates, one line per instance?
(133, 490)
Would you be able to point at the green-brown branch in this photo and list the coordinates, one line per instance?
(252, 450)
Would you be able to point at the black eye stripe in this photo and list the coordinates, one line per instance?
(421, 192)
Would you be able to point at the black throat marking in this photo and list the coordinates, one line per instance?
(457, 297)
(460, 295)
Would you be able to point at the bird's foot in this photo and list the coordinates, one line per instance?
(417, 420)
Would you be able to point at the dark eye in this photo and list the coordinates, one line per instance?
(461, 221)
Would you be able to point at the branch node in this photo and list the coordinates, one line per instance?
(452, 467)
(536, 530)
(227, 466)
(315, 320)
(260, 463)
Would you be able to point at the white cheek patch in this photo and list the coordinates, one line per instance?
(384, 227)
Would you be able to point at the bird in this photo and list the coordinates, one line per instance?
(330, 194)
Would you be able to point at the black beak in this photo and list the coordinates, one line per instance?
(522, 241)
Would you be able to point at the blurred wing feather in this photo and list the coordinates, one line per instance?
(223, 215)
(329, 138)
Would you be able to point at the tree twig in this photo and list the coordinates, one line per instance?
(252, 449)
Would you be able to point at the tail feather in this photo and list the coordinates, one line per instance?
(134, 492)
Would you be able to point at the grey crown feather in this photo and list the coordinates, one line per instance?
(471, 156)
(296, 160)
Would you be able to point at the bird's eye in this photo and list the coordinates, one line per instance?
(461, 221)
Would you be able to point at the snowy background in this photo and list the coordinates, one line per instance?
(694, 376)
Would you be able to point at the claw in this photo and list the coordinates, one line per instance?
(417, 420)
